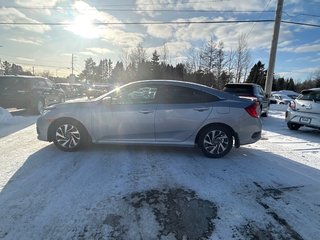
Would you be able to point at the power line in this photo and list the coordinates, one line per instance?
(266, 7)
(301, 24)
(116, 5)
(160, 23)
(138, 23)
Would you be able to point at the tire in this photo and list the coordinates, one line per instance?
(215, 141)
(265, 114)
(293, 126)
(69, 136)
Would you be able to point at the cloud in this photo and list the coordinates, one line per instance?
(11, 15)
(304, 48)
(122, 38)
(99, 50)
(85, 18)
(216, 5)
(160, 31)
(36, 3)
(32, 41)
(88, 53)
(26, 59)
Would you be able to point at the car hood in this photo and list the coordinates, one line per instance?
(72, 105)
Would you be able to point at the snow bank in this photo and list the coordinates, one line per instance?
(5, 116)
(10, 124)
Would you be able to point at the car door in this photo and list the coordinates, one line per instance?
(180, 112)
(8, 91)
(128, 116)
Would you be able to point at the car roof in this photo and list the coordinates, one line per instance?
(23, 76)
(197, 86)
(241, 84)
(311, 89)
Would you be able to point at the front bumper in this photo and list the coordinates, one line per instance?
(42, 128)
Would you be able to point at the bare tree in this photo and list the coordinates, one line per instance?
(193, 61)
(164, 54)
(219, 64)
(124, 57)
(231, 64)
(242, 57)
(138, 55)
(208, 56)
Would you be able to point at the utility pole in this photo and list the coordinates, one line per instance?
(33, 70)
(273, 50)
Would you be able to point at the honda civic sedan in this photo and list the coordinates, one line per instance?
(158, 112)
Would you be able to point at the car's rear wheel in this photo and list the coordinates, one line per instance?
(293, 126)
(215, 141)
(69, 136)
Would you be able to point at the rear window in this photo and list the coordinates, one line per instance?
(239, 90)
(310, 96)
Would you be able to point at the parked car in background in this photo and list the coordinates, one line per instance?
(250, 91)
(304, 110)
(279, 99)
(163, 112)
(31, 92)
(94, 91)
(68, 89)
(283, 97)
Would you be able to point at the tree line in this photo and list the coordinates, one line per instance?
(210, 65)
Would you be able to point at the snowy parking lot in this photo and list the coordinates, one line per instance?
(267, 190)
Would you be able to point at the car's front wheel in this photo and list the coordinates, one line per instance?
(69, 136)
(293, 126)
(215, 141)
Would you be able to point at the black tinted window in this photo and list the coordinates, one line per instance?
(181, 95)
(239, 90)
(7, 83)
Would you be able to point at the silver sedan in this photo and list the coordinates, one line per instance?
(160, 112)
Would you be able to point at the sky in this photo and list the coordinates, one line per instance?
(70, 31)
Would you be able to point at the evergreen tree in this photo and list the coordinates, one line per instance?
(257, 74)
(155, 65)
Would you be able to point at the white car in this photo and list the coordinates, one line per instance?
(304, 110)
(280, 99)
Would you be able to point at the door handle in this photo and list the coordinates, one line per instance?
(201, 109)
(145, 111)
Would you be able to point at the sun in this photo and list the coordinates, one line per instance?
(83, 25)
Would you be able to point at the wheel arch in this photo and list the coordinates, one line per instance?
(57, 121)
(234, 134)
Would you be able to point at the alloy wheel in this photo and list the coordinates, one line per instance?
(68, 136)
(216, 142)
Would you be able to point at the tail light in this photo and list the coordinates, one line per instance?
(292, 105)
(253, 110)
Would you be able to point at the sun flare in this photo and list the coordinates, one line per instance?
(83, 26)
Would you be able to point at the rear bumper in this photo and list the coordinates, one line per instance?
(310, 119)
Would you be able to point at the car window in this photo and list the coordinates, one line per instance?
(135, 95)
(7, 83)
(239, 90)
(39, 83)
(310, 96)
(49, 83)
(21, 84)
(260, 91)
(180, 95)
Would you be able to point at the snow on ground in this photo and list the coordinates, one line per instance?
(267, 190)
